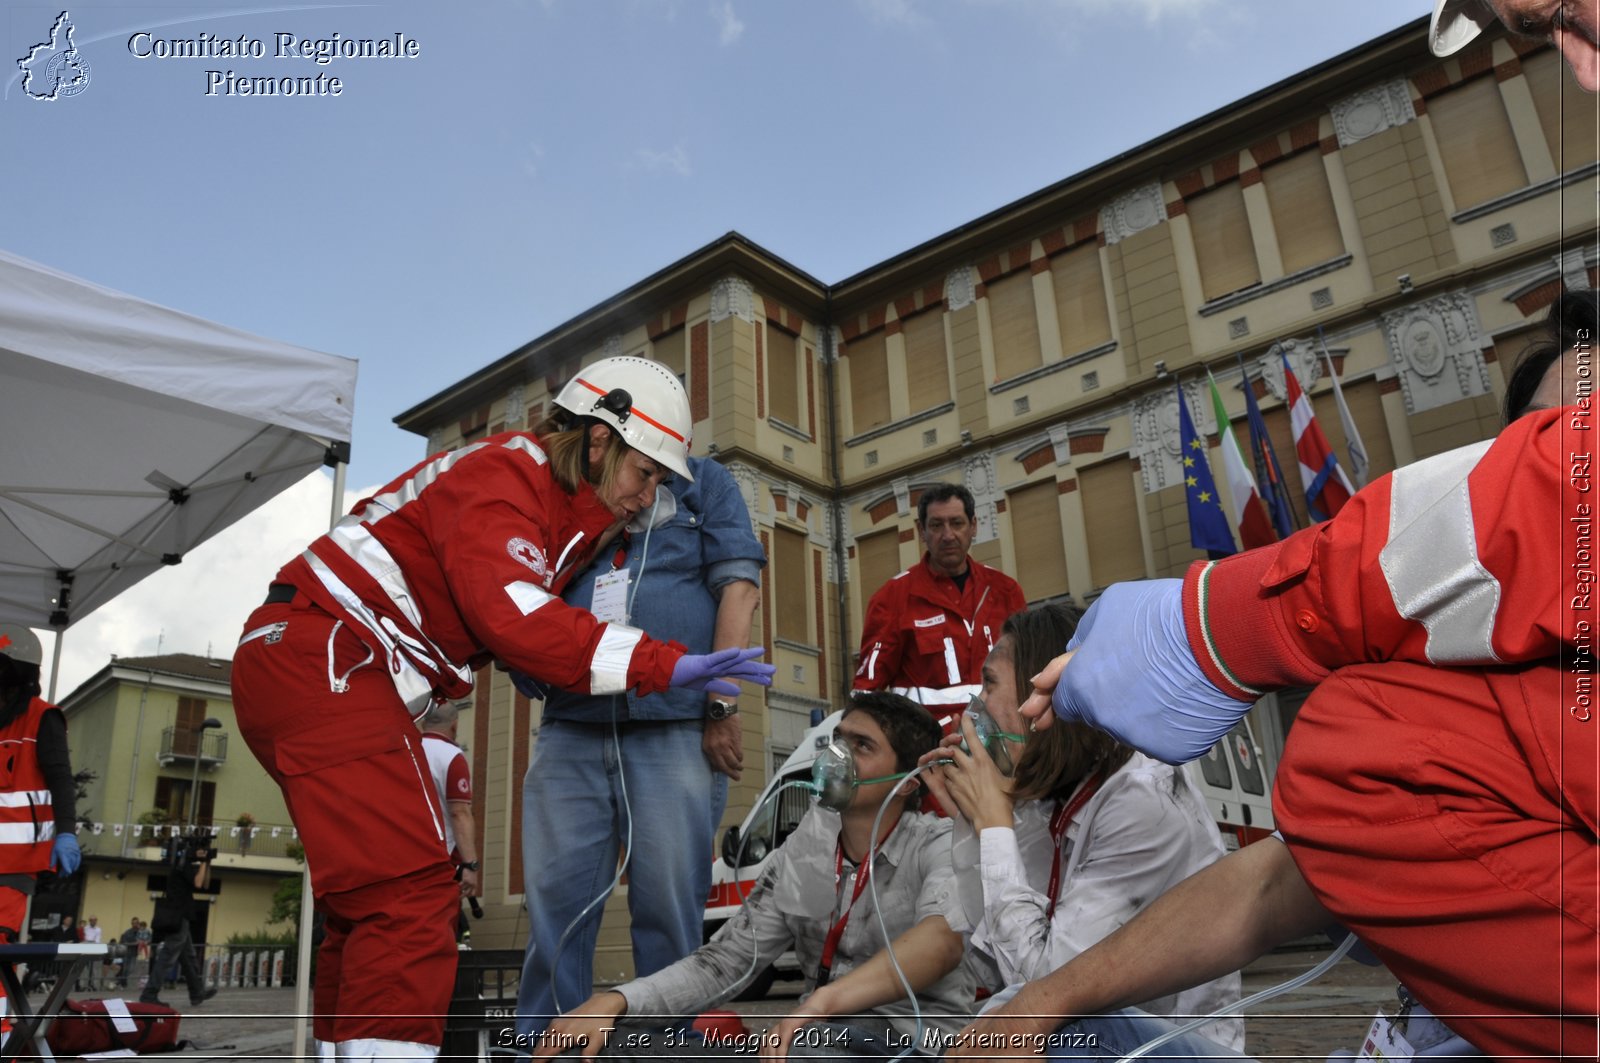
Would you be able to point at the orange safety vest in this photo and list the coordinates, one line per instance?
(27, 817)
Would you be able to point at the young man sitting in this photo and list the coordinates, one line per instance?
(815, 898)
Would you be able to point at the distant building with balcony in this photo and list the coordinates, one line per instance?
(137, 725)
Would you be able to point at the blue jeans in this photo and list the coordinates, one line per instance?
(573, 826)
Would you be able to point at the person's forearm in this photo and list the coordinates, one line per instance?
(926, 953)
(736, 609)
(466, 830)
(1207, 926)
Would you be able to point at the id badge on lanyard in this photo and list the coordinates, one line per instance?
(611, 596)
(1386, 1041)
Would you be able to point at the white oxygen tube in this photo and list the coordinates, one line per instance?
(883, 927)
(1248, 1002)
(622, 784)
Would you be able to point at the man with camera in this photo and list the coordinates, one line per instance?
(188, 869)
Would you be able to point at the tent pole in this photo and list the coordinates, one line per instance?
(302, 982)
(55, 665)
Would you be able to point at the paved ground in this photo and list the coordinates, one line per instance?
(1332, 1012)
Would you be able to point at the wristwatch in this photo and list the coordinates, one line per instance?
(720, 710)
(468, 865)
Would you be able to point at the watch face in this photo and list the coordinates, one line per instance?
(721, 710)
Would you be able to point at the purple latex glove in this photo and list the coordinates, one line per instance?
(714, 672)
(1133, 676)
(528, 686)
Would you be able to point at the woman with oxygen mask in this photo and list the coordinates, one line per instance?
(823, 897)
(1062, 850)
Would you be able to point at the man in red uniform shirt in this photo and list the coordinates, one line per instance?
(928, 630)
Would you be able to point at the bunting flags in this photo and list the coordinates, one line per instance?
(1208, 524)
(1269, 474)
(1359, 463)
(1249, 513)
(1327, 490)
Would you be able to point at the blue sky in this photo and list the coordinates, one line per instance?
(539, 156)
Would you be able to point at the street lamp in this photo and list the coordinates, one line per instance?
(199, 729)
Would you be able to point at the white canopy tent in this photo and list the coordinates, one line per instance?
(132, 433)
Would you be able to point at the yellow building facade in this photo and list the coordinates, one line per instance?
(1412, 216)
(136, 725)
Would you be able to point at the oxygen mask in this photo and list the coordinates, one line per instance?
(995, 740)
(833, 776)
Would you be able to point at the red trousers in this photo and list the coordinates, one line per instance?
(1447, 817)
(357, 786)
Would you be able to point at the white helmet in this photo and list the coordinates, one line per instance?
(18, 642)
(1456, 24)
(642, 400)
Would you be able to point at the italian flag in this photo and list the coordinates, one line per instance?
(1249, 513)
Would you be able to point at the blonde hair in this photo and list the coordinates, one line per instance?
(566, 447)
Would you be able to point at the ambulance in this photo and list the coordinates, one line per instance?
(1230, 776)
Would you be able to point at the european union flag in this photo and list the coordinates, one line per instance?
(1208, 524)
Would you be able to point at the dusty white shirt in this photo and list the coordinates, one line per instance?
(794, 904)
(1143, 832)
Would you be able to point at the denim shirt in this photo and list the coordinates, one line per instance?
(688, 558)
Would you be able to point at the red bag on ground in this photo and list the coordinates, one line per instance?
(83, 1026)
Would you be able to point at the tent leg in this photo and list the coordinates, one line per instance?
(302, 988)
(55, 665)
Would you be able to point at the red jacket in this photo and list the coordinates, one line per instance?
(1481, 555)
(1480, 561)
(926, 639)
(463, 558)
(27, 817)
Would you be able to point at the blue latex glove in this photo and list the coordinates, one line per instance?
(528, 686)
(714, 672)
(1134, 677)
(65, 855)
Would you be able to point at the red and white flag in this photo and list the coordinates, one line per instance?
(1248, 512)
(1327, 489)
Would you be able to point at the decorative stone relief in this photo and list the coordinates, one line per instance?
(979, 476)
(1355, 118)
(830, 339)
(1574, 274)
(1303, 359)
(612, 348)
(1436, 348)
(960, 290)
(732, 297)
(1503, 235)
(436, 441)
(749, 487)
(516, 408)
(1133, 212)
(1158, 435)
(1061, 444)
(902, 496)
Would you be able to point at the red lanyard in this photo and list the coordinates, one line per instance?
(620, 558)
(1058, 831)
(830, 944)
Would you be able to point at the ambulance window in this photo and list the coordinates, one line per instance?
(1245, 761)
(1214, 767)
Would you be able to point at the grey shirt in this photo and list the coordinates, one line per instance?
(795, 903)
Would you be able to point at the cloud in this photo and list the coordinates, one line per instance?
(1154, 11)
(730, 29)
(201, 605)
(531, 160)
(674, 161)
(892, 12)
